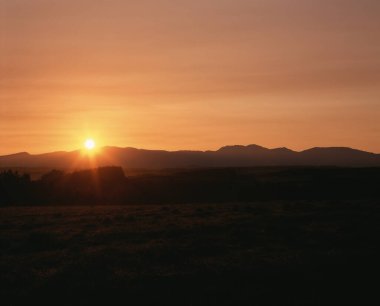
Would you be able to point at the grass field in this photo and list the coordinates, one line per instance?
(250, 253)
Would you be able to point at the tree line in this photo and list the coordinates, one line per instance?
(109, 185)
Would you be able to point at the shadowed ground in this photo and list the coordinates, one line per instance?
(276, 252)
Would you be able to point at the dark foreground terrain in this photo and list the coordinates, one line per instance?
(278, 252)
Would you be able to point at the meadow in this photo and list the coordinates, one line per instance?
(272, 252)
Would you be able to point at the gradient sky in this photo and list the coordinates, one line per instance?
(180, 74)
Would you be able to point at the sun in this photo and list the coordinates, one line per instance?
(89, 144)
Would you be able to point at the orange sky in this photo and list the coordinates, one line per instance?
(179, 74)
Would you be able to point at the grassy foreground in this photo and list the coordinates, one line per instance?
(252, 253)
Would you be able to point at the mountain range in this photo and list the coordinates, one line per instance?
(228, 156)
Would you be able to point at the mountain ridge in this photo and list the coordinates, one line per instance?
(226, 156)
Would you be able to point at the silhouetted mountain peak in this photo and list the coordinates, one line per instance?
(19, 154)
(283, 150)
(241, 148)
(335, 150)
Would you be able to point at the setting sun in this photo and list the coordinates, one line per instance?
(89, 144)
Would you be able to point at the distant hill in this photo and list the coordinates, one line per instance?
(228, 156)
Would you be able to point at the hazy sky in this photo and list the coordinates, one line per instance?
(186, 74)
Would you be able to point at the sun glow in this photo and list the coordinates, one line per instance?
(89, 144)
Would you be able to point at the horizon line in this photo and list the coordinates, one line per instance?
(190, 150)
